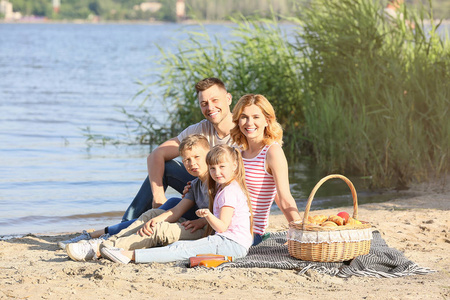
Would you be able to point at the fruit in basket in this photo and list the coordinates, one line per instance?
(352, 221)
(344, 215)
(319, 219)
(329, 224)
(336, 219)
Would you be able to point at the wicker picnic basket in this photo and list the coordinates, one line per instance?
(312, 242)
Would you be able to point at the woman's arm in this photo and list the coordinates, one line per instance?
(218, 224)
(278, 167)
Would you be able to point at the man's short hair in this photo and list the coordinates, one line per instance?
(193, 140)
(206, 83)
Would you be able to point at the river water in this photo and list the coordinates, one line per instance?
(57, 79)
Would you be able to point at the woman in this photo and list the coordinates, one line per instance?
(259, 136)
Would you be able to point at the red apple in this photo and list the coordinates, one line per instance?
(344, 215)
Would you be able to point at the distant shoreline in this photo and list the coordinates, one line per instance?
(118, 22)
(142, 22)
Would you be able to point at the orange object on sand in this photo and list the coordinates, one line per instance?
(195, 260)
(212, 263)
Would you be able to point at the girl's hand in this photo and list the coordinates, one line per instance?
(201, 213)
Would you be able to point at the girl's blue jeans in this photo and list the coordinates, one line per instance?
(182, 250)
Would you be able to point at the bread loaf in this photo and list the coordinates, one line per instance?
(329, 224)
(336, 219)
(319, 219)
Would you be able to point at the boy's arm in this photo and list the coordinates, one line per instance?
(155, 166)
(171, 216)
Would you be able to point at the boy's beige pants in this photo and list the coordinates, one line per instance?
(164, 233)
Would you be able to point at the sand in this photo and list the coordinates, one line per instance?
(32, 267)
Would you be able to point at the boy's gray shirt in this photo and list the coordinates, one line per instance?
(198, 193)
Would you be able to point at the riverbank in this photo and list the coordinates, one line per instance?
(32, 267)
(149, 22)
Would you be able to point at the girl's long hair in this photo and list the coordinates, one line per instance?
(217, 155)
(272, 133)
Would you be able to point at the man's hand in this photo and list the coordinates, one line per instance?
(158, 201)
(194, 224)
(147, 229)
(186, 189)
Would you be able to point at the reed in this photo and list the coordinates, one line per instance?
(379, 92)
(356, 92)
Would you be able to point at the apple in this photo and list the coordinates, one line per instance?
(344, 215)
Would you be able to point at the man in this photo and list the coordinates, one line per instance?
(163, 170)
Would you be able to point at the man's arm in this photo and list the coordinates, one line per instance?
(155, 166)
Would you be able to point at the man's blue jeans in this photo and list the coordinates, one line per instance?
(175, 176)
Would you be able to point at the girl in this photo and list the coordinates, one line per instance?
(231, 218)
(259, 136)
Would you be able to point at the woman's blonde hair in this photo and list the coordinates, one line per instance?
(220, 154)
(272, 133)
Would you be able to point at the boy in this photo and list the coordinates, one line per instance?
(158, 227)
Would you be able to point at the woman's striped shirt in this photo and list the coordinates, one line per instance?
(262, 189)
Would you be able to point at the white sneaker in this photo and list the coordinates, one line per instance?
(83, 236)
(84, 250)
(115, 255)
(96, 240)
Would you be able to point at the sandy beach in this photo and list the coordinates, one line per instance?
(32, 267)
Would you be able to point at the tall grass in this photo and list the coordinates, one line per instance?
(356, 92)
(379, 92)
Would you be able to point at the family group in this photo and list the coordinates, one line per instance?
(232, 170)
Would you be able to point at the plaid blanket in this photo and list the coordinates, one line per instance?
(381, 261)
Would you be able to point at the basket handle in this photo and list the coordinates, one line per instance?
(316, 187)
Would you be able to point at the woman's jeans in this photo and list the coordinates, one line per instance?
(182, 250)
(175, 176)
